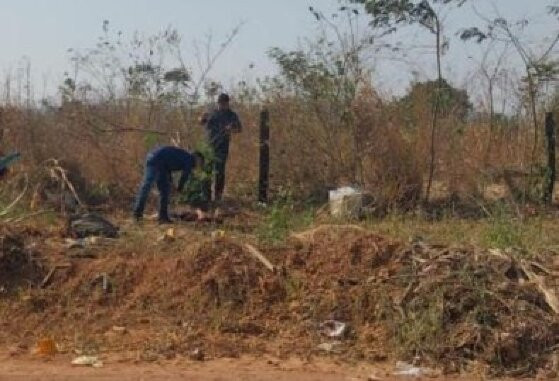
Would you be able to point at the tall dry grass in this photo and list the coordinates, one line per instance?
(103, 146)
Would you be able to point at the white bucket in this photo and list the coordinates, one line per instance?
(345, 202)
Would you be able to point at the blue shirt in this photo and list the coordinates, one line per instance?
(171, 159)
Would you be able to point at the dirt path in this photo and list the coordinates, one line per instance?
(218, 370)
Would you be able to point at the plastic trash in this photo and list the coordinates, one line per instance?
(334, 328)
(168, 236)
(326, 347)
(87, 361)
(197, 355)
(406, 369)
(91, 224)
(345, 202)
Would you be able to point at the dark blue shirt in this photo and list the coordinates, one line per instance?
(217, 122)
(171, 159)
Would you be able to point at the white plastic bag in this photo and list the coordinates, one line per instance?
(346, 202)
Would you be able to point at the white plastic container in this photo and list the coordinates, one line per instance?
(345, 202)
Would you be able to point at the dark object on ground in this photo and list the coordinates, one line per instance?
(188, 216)
(18, 266)
(91, 224)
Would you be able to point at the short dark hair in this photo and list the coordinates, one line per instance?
(223, 98)
(199, 157)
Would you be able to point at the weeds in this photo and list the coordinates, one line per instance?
(503, 230)
(282, 217)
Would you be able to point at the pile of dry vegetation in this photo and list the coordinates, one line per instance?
(452, 308)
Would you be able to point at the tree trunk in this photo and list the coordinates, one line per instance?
(551, 172)
(435, 117)
(264, 165)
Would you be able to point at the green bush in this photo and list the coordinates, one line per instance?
(195, 189)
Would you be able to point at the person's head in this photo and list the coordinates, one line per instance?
(199, 160)
(223, 101)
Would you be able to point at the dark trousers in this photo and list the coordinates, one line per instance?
(154, 174)
(221, 152)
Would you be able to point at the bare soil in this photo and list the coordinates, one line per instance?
(246, 368)
(155, 296)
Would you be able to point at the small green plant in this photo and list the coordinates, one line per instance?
(421, 328)
(503, 231)
(195, 191)
(281, 217)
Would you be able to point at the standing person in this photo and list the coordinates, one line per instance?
(160, 163)
(219, 126)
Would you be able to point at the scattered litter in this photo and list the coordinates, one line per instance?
(92, 361)
(119, 329)
(405, 369)
(82, 243)
(46, 347)
(197, 355)
(218, 234)
(91, 224)
(328, 347)
(334, 328)
(345, 202)
(168, 236)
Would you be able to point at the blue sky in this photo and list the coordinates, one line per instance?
(43, 30)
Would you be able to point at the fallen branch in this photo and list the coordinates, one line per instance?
(549, 295)
(29, 215)
(50, 274)
(258, 255)
(309, 234)
(61, 176)
(18, 198)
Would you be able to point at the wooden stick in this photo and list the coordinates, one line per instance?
(258, 255)
(47, 278)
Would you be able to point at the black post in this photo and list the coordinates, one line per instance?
(551, 171)
(264, 156)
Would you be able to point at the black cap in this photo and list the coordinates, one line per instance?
(223, 98)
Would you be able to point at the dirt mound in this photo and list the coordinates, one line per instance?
(450, 306)
(18, 266)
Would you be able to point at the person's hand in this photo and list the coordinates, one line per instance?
(204, 118)
(200, 214)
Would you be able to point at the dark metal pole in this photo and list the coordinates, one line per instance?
(551, 170)
(264, 172)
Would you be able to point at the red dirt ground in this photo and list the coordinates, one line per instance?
(246, 368)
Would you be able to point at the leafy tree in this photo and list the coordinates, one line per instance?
(453, 101)
(326, 76)
(540, 68)
(390, 15)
